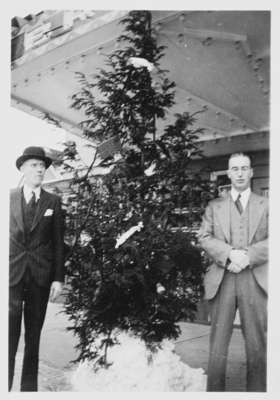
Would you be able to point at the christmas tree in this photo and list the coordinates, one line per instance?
(130, 269)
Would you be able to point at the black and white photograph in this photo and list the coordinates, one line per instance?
(139, 196)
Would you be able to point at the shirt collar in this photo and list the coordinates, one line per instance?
(27, 191)
(244, 195)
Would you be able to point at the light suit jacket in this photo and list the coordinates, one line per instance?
(214, 238)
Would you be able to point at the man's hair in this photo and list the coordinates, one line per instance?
(233, 155)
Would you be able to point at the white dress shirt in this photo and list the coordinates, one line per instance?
(28, 191)
(244, 196)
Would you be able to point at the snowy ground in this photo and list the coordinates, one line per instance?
(131, 370)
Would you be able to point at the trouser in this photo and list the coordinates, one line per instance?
(30, 299)
(238, 291)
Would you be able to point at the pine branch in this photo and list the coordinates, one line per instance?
(117, 288)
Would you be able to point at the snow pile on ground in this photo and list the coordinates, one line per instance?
(131, 370)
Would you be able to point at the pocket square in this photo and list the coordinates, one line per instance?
(48, 212)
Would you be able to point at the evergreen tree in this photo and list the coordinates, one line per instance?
(152, 280)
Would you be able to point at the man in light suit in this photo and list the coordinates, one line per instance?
(234, 233)
(36, 261)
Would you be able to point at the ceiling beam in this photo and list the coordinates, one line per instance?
(32, 108)
(217, 108)
(206, 33)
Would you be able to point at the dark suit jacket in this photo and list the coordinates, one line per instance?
(43, 249)
(214, 237)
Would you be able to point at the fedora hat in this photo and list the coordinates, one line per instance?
(33, 152)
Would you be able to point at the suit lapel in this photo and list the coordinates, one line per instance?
(223, 211)
(42, 206)
(16, 207)
(255, 213)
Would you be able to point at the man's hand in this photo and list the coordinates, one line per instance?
(56, 289)
(234, 268)
(240, 258)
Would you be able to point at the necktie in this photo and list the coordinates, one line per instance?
(238, 204)
(31, 208)
(32, 202)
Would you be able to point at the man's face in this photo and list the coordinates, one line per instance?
(240, 172)
(34, 172)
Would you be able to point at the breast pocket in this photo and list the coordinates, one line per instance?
(46, 225)
(48, 213)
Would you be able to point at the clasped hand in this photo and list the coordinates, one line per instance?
(239, 260)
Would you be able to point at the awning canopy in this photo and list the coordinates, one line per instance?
(219, 60)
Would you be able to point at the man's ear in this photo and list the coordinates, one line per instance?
(252, 172)
(228, 173)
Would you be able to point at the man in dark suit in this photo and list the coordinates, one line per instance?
(36, 261)
(234, 233)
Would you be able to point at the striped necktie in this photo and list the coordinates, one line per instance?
(238, 204)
